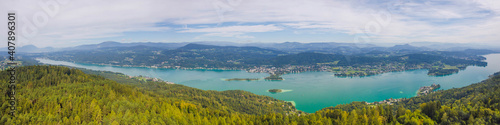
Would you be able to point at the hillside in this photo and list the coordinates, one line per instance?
(231, 100)
(478, 103)
(55, 94)
(197, 55)
(60, 95)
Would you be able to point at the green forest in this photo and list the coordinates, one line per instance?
(62, 95)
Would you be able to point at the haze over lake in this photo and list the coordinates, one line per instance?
(311, 91)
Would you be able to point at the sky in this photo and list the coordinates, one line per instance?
(65, 23)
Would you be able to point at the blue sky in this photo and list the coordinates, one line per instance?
(63, 23)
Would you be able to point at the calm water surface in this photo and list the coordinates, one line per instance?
(311, 91)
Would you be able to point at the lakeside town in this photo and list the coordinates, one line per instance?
(340, 71)
(435, 69)
(424, 90)
(357, 71)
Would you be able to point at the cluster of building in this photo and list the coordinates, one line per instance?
(4, 64)
(262, 69)
(361, 70)
(145, 78)
(387, 101)
(422, 91)
(428, 89)
(287, 69)
(367, 70)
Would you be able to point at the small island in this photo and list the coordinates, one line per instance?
(242, 79)
(275, 90)
(274, 77)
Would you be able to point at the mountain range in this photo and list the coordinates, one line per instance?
(289, 47)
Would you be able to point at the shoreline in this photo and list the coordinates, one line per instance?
(273, 70)
(155, 67)
(293, 103)
(421, 91)
(218, 69)
(242, 79)
(281, 91)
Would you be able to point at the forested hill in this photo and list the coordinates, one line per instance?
(56, 94)
(232, 57)
(190, 56)
(60, 95)
(230, 100)
(477, 103)
(197, 55)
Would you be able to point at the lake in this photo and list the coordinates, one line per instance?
(311, 91)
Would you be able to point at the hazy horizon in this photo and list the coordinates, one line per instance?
(432, 45)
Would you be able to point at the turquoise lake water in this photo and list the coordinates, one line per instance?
(311, 91)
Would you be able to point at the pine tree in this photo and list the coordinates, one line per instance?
(471, 120)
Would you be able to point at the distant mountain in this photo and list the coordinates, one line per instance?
(357, 48)
(31, 49)
(219, 43)
(218, 56)
(287, 47)
(307, 58)
(455, 46)
(210, 56)
(110, 44)
(470, 54)
(479, 51)
(190, 55)
(250, 49)
(107, 44)
(201, 46)
(323, 47)
(407, 47)
(342, 48)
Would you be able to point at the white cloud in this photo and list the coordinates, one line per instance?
(253, 28)
(232, 31)
(81, 21)
(226, 34)
(493, 5)
(440, 21)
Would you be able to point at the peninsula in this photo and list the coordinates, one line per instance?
(422, 91)
(274, 77)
